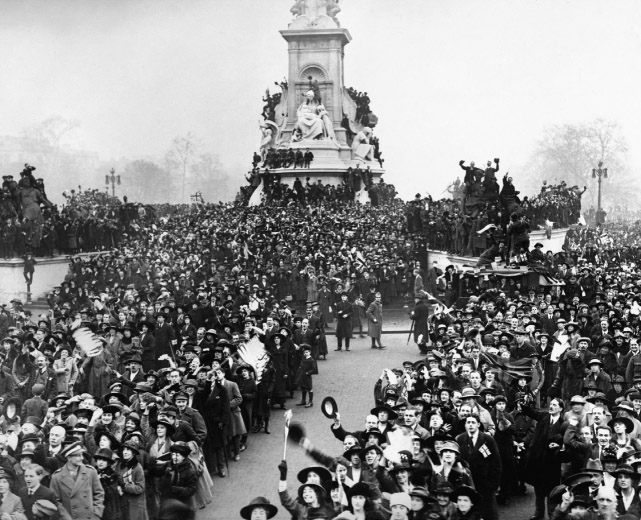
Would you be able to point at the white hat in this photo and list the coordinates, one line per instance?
(400, 499)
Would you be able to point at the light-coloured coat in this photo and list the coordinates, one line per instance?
(82, 497)
(375, 312)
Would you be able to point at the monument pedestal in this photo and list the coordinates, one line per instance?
(330, 163)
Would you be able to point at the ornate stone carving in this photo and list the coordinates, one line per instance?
(315, 14)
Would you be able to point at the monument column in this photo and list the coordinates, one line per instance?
(312, 125)
(317, 53)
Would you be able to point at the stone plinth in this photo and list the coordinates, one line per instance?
(49, 272)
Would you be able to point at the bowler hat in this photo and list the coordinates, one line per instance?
(329, 407)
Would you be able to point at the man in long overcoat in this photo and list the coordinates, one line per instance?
(78, 487)
(375, 321)
(344, 312)
(217, 418)
(420, 314)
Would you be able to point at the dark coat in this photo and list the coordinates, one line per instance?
(344, 312)
(217, 416)
(180, 481)
(131, 478)
(109, 483)
(420, 314)
(148, 344)
(280, 360)
(484, 461)
(543, 464)
(193, 417)
(42, 493)
(307, 368)
(165, 339)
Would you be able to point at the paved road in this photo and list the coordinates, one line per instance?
(347, 376)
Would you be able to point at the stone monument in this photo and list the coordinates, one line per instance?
(315, 112)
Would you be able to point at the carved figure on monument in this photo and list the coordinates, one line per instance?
(361, 147)
(333, 9)
(298, 8)
(269, 137)
(313, 120)
(315, 14)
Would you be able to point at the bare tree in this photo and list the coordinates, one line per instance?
(145, 181)
(43, 142)
(569, 153)
(207, 176)
(180, 157)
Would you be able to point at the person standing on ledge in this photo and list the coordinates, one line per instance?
(375, 321)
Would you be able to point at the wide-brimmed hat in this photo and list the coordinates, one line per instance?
(261, 502)
(180, 447)
(384, 408)
(466, 491)
(115, 443)
(323, 473)
(626, 406)
(360, 489)
(369, 448)
(130, 445)
(112, 408)
(420, 492)
(104, 453)
(629, 425)
(354, 450)
(400, 467)
(379, 435)
(625, 469)
(171, 429)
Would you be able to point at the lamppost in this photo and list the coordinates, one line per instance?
(113, 179)
(599, 173)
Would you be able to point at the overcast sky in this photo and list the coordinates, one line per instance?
(449, 80)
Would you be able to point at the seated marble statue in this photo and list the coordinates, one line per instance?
(313, 120)
(361, 147)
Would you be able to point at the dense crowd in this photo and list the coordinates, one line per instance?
(162, 358)
(355, 182)
(89, 220)
(459, 225)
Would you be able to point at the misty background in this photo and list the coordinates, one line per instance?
(168, 91)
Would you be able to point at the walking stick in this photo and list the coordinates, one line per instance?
(288, 418)
(411, 330)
